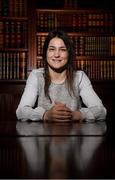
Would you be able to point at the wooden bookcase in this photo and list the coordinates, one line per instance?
(13, 39)
(24, 26)
(93, 35)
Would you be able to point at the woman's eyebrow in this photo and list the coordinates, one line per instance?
(57, 46)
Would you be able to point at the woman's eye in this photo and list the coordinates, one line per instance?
(63, 49)
(51, 49)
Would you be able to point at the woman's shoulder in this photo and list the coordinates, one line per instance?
(38, 71)
(36, 74)
(80, 76)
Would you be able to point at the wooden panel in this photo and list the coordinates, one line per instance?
(10, 94)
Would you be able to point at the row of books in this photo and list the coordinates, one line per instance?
(71, 21)
(16, 8)
(12, 26)
(13, 65)
(13, 34)
(86, 45)
(94, 45)
(99, 69)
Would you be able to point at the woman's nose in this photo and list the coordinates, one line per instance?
(56, 53)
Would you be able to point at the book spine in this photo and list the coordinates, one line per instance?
(22, 65)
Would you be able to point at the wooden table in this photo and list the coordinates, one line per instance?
(56, 150)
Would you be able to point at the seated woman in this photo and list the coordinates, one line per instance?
(59, 88)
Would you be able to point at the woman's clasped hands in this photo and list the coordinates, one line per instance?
(61, 113)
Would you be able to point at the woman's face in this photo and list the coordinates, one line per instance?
(57, 53)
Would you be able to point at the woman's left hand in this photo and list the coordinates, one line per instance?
(76, 116)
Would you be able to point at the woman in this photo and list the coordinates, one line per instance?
(58, 88)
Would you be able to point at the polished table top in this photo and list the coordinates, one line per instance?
(56, 150)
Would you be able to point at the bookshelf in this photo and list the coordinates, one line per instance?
(22, 36)
(93, 35)
(13, 39)
(24, 26)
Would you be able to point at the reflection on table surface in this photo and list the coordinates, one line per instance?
(60, 150)
(52, 129)
(56, 150)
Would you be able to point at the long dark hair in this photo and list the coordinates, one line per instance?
(70, 67)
